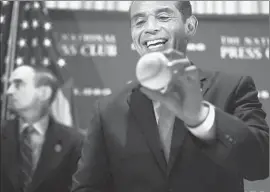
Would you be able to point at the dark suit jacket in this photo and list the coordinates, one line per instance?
(55, 167)
(123, 152)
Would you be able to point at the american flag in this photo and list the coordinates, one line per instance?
(35, 44)
(5, 18)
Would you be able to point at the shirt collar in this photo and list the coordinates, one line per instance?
(156, 105)
(40, 126)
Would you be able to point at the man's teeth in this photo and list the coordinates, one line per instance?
(155, 46)
(155, 42)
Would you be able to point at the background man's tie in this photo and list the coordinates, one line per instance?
(26, 151)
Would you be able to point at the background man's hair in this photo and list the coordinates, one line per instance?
(45, 77)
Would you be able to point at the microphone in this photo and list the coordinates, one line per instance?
(155, 71)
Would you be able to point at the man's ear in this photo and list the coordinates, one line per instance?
(45, 92)
(191, 26)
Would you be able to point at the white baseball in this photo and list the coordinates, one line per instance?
(152, 71)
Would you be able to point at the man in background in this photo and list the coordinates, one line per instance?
(38, 154)
(205, 134)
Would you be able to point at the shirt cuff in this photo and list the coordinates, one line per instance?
(205, 130)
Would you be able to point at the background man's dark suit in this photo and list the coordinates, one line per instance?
(123, 152)
(57, 162)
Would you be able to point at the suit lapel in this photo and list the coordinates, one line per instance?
(51, 155)
(10, 147)
(178, 138)
(142, 110)
(180, 131)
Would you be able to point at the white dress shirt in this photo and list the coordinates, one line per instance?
(37, 138)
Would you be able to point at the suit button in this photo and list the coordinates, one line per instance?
(170, 190)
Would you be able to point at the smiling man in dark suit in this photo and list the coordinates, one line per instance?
(37, 153)
(205, 134)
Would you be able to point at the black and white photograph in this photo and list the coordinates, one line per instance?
(134, 96)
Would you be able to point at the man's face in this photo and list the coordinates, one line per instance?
(22, 90)
(157, 26)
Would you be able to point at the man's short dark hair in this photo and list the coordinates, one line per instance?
(45, 77)
(184, 8)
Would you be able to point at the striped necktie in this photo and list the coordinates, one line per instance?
(26, 152)
(165, 127)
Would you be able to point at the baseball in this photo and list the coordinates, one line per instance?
(152, 71)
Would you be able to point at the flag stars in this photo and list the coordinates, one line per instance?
(32, 61)
(47, 42)
(45, 11)
(25, 25)
(46, 61)
(19, 61)
(5, 3)
(22, 43)
(64, 37)
(6, 59)
(47, 26)
(2, 19)
(61, 62)
(34, 42)
(35, 23)
(27, 6)
(4, 78)
(36, 5)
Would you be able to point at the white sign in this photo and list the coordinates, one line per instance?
(250, 48)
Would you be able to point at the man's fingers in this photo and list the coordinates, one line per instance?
(185, 79)
(191, 73)
(172, 54)
(183, 62)
(167, 52)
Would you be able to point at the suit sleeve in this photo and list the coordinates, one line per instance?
(93, 173)
(242, 137)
